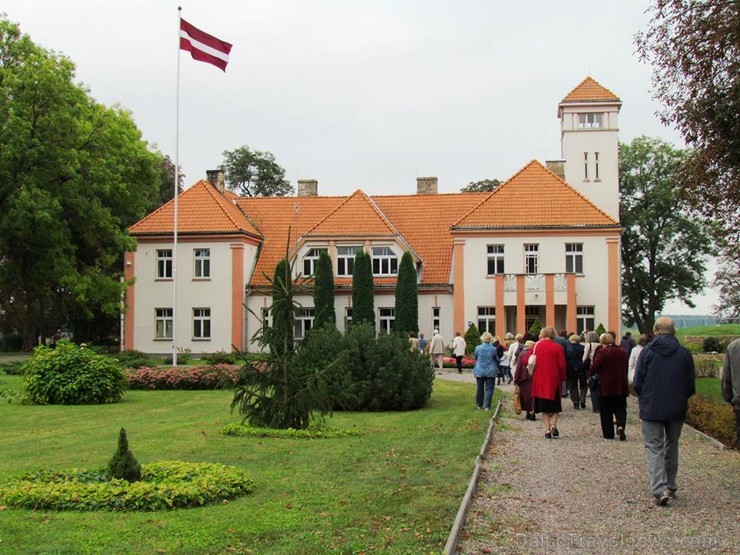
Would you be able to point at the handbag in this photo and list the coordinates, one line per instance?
(517, 401)
(532, 361)
(593, 382)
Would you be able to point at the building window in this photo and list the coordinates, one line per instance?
(585, 319)
(387, 319)
(596, 166)
(347, 317)
(385, 262)
(310, 260)
(531, 258)
(163, 323)
(585, 166)
(265, 318)
(590, 121)
(487, 319)
(202, 263)
(164, 263)
(495, 259)
(201, 323)
(435, 318)
(574, 258)
(346, 260)
(303, 322)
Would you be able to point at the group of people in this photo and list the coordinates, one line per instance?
(561, 365)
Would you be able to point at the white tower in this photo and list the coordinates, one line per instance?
(589, 141)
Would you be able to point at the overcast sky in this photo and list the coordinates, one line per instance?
(358, 94)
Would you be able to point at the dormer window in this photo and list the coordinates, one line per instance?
(385, 262)
(310, 260)
(346, 260)
(590, 120)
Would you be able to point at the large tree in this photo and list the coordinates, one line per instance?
(255, 174)
(74, 175)
(694, 48)
(363, 302)
(407, 299)
(663, 246)
(483, 186)
(323, 291)
(727, 284)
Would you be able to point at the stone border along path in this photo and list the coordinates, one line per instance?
(581, 493)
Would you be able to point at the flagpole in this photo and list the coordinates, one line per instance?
(177, 179)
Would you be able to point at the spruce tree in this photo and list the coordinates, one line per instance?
(363, 303)
(323, 292)
(407, 299)
(280, 335)
(472, 338)
(124, 465)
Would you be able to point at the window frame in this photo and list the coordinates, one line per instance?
(201, 263)
(574, 258)
(436, 319)
(591, 120)
(486, 319)
(305, 319)
(311, 258)
(386, 319)
(202, 324)
(385, 263)
(163, 323)
(531, 255)
(584, 317)
(345, 261)
(164, 264)
(495, 256)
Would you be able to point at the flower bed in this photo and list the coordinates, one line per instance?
(197, 377)
(450, 362)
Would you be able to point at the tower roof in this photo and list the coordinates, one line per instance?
(590, 90)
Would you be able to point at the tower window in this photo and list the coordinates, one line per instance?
(590, 121)
(596, 166)
(585, 166)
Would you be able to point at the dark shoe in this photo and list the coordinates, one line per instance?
(672, 493)
(576, 407)
(583, 405)
(548, 435)
(621, 434)
(555, 432)
(662, 500)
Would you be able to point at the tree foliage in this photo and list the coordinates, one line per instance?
(363, 304)
(663, 246)
(74, 175)
(694, 48)
(123, 465)
(727, 284)
(323, 292)
(483, 186)
(407, 298)
(472, 338)
(166, 171)
(255, 174)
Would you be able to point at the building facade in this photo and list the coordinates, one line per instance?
(543, 246)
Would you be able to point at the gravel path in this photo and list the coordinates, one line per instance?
(581, 493)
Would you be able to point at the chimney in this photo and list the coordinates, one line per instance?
(217, 179)
(426, 185)
(308, 188)
(557, 167)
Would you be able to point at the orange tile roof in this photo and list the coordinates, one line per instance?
(201, 209)
(589, 90)
(357, 215)
(534, 198)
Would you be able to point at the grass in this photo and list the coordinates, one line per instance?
(711, 388)
(395, 489)
(719, 329)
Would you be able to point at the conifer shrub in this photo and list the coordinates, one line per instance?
(123, 465)
(71, 375)
(711, 344)
(600, 329)
(472, 338)
(536, 328)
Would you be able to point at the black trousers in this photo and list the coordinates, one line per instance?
(612, 408)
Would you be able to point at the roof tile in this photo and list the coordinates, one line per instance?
(589, 90)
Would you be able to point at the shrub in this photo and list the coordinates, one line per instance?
(537, 328)
(131, 358)
(220, 357)
(715, 420)
(71, 375)
(198, 377)
(12, 368)
(312, 432)
(472, 338)
(123, 465)
(164, 485)
(707, 366)
(600, 330)
(182, 358)
(711, 345)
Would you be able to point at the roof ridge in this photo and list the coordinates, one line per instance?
(222, 202)
(586, 82)
(361, 194)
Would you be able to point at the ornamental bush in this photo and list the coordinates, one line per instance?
(131, 358)
(123, 465)
(71, 375)
(198, 377)
(714, 419)
(472, 338)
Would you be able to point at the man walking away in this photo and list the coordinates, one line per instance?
(664, 381)
(437, 349)
(731, 383)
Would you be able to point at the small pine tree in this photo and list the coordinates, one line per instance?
(536, 328)
(124, 465)
(601, 329)
(280, 335)
(363, 303)
(323, 292)
(472, 338)
(407, 299)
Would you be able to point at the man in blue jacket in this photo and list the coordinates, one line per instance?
(664, 380)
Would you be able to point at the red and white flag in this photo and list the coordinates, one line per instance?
(204, 47)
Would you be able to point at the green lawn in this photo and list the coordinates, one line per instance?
(396, 489)
(711, 388)
(720, 329)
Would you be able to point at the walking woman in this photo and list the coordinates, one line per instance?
(549, 373)
(592, 345)
(610, 363)
(485, 371)
(577, 378)
(523, 380)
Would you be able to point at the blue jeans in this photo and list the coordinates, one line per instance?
(484, 392)
(661, 452)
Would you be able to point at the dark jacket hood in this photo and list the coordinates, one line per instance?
(665, 345)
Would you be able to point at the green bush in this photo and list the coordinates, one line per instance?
(711, 344)
(12, 368)
(164, 485)
(312, 432)
(220, 357)
(182, 358)
(131, 359)
(71, 375)
(123, 465)
(472, 338)
(537, 328)
(714, 419)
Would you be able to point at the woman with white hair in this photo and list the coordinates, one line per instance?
(485, 371)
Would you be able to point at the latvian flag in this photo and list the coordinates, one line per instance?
(203, 47)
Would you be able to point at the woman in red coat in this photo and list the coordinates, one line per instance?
(549, 373)
(610, 363)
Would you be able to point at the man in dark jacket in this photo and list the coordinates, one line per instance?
(731, 383)
(664, 381)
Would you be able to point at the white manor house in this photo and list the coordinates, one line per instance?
(544, 245)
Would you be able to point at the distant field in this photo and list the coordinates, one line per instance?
(719, 329)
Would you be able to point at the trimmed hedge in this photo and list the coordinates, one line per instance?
(312, 432)
(197, 377)
(163, 486)
(715, 420)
